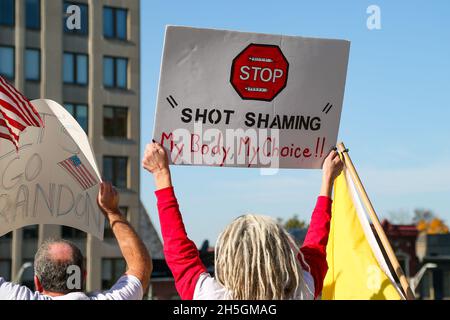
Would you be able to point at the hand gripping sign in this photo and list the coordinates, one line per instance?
(249, 100)
(52, 178)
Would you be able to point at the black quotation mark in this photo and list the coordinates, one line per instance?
(172, 102)
(327, 108)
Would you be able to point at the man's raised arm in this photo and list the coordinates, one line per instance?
(133, 249)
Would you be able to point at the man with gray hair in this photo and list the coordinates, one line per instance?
(59, 264)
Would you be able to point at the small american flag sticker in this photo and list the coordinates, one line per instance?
(77, 170)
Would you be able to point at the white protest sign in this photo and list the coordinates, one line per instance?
(249, 100)
(52, 178)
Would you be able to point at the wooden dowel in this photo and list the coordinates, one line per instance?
(376, 222)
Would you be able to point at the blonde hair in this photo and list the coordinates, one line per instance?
(256, 259)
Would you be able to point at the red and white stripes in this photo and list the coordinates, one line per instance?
(16, 113)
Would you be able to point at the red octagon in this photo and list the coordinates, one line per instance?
(259, 72)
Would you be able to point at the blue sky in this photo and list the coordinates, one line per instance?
(395, 116)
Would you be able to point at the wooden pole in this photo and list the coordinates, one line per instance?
(376, 222)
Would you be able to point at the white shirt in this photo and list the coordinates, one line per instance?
(207, 288)
(127, 288)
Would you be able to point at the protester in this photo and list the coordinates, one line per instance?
(255, 258)
(57, 261)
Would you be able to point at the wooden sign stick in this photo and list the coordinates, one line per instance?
(376, 222)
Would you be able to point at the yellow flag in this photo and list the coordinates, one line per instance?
(357, 269)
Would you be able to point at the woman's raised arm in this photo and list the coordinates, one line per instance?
(180, 252)
(315, 244)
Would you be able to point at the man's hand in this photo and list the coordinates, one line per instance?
(156, 161)
(133, 249)
(108, 199)
(332, 168)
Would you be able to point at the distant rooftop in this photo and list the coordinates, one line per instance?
(431, 246)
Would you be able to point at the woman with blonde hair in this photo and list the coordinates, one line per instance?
(255, 257)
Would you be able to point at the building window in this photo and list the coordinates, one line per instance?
(30, 232)
(426, 285)
(115, 23)
(5, 268)
(446, 284)
(115, 170)
(71, 19)
(112, 270)
(7, 62)
(108, 234)
(115, 72)
(80, 113)
(28, 274)
(32, 64)
(33, 14)
(75, 68)
(7, 12)
(72, 233)
(115, 122)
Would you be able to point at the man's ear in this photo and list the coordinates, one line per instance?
(38, 285)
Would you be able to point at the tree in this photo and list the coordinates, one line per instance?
(297, 228)
(427, 222)
(435, 226)
(424, 219)
(423, 215)
(294, 223)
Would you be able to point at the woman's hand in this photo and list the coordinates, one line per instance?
(332, 168)
(156, 162)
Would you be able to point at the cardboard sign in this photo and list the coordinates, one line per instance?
(249, 100)
(53, 178)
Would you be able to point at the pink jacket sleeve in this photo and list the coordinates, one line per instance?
(181, 254)
(315, 244)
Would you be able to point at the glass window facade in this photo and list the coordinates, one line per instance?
(108, 22)
(33, 14)
(76, 68)
(81, 113)
(112, 270)
(115, 24)
(115, 122)
(33, 64)
(82, 68)
(7, 63)
(121, 23)
(72, 233)
(115, 170)
(121, 73)
(115, 72)
(5, 269)
(7, 12)
(30, 232)
(108, 72)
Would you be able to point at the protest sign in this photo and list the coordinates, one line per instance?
(52, 178)
(249, 100)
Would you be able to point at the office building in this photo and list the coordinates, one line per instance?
(85, 55)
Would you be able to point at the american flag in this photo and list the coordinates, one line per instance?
(76, 169)
(16, 113)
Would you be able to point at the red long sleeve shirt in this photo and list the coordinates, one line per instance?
(183, 258)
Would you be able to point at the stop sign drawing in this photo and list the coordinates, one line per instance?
(260, 72)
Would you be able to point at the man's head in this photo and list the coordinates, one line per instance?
(55, 264)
